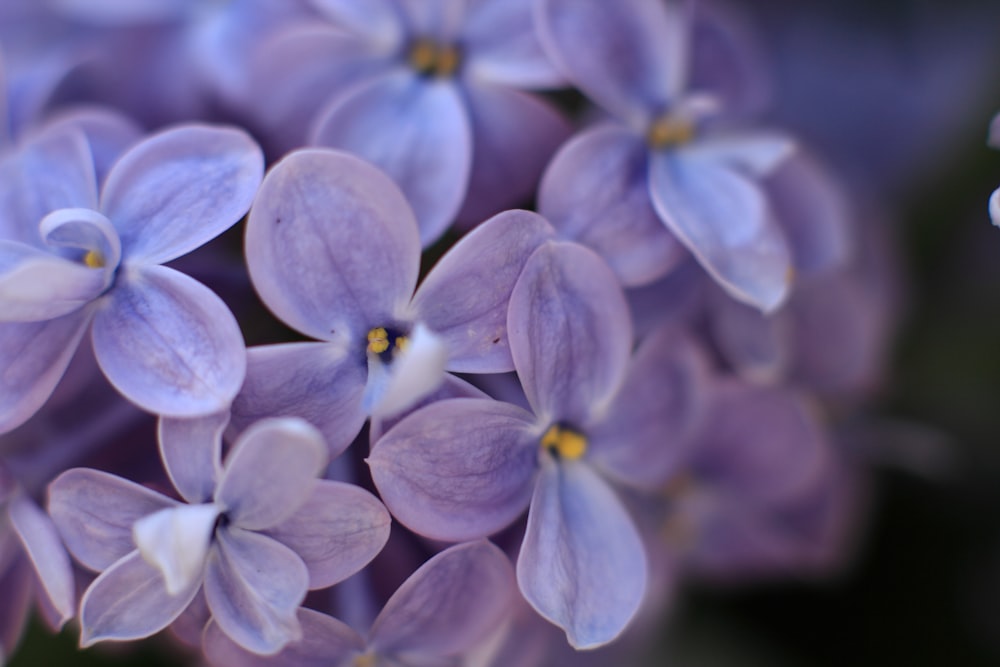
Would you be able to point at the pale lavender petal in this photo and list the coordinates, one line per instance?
(19, 588)
(648, 429)
(377, 20)
(628, 56)
(454, 601)
(113, 12)
(322, 383)
(570, 333)
(414, 372)
(582, 563)
(417, 131)
(175, 540)
(451, 387)
(5, 123)
(325, 642)
(253, 585)
(95, 511)
(439, 20)
(995, 207)
(109, 133)
(41, 542)
(596, 192)
(33, 356)
(458, 469)
(724, 220)
(36, 286)
(191, 450)
(465, 296)
(128, 601)
(758, 153)
(513, 136)
(757, 346)
(181, 188)
(87, 230)
(503, 47)
(270, 472)
(332, 245)
(168, 343)
(338, 531)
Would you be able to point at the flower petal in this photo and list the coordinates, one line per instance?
(168, 343)
(52, 565)
(451, 387)
(84, 229)
(995, 207)
(339, 530)
(254, 585)
(417, 131)
(415, 371)
(596, 192)
(33, 356)
(175, 540)
(109, 133)
(457, 469)
(36, 286)
(322, 383)
(378, 20)
(582, 564)
(270, 472)
(95, 511)
(181, 188)
(18, 587)
(723, 219)
(464, 298)
(757, 346)
(448, 606)
(191, 450)
(570, 333)
(128, 601)
(332, 245)
(758, 153)
(628, 56)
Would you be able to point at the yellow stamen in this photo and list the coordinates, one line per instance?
(402, 342)
(564, 442)
(366, 660)
(94, 259)
(430, 58)
(669, 131)
(378, 340)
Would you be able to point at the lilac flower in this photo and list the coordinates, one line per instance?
(255, 534)
(333, 251)
(447, 607)
(465, 468)
(995, 197)
(427, 92)
(69, 259)
(660, 162)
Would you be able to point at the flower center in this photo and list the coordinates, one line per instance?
(669, 131)
(564, 442)
(385, 342)
(94, 259)
(364, 660)
(430, 58)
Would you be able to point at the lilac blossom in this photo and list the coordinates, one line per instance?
(465, 468)
(452, 603)
(254, 534)
(333, 251)
(71, 259)
(429, 93)
(663, 160)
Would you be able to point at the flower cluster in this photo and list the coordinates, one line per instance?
(563, 410)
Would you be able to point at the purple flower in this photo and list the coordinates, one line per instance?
(664, 161)
(465, 468)
(69, 258)
(333, 251)
(255, 533)
(428, 93)
(451, 604)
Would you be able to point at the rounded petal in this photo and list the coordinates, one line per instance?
(724, 220)
(582, 563)
(36, 286)
(596, 192)
(503, 47)
(109, 133)
(95, 511)
(758, 154)
(457, 469)
(451, 387)
(758, 347)
(45, 549)
(181, 188)
(513, 136)
(417, 131)
(175, 540)
(34, 356)
(270, 472)
(128, 601)
(322, 383)
(254, 585)
(339, 530)
(84, 229)
(191, 450)
(570, 333)
(995, 207)
(377, 20)
(332, 245)
(448, 606)
(464, 298)
(415, 371)
(628, 55)
(19, 588)
(168, 343)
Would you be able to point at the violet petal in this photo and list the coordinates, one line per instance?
(36, 286)
(191, 450)
(52, 565)
(176, 540)
(503, 46)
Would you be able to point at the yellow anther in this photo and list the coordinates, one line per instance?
(431, 58)
(669, 131)
(364, 660)
(378, 340)
(402, 342)
(94, 259)
(447, 61)
(564, 442)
